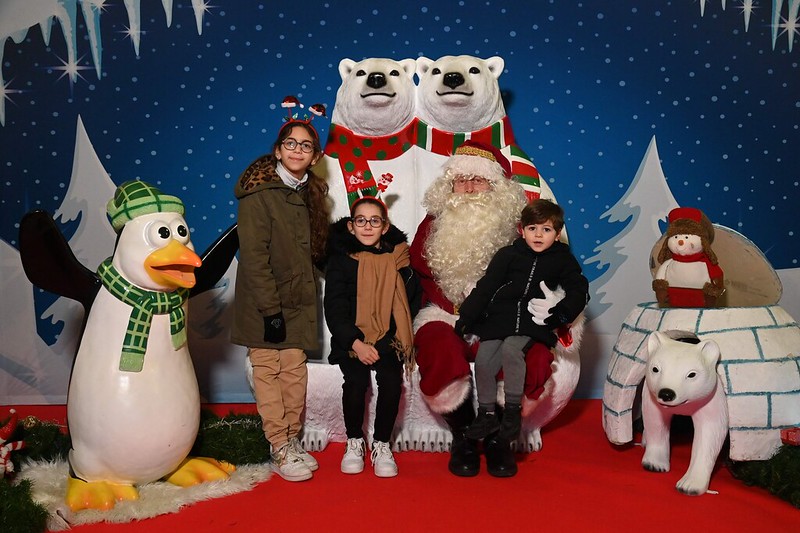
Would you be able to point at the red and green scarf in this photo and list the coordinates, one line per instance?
(355, 151)
(499, 134)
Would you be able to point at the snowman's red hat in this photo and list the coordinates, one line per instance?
(691, 213)
(689, 221)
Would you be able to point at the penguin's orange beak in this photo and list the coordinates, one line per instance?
(173, 265)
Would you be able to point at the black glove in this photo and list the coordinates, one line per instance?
(459, 328)
(274, 328)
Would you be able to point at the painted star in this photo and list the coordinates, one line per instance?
(790, 27)
(71, 68)
(747, 8)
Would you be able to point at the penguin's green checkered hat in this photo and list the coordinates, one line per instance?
(136, 198)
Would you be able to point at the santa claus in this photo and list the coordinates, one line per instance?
(473, 210)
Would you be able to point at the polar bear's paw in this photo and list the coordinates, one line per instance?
(531, 441)
(693, 484)
(655, 462)
(314, 439)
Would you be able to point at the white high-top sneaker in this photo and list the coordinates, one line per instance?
(383, 460)
(353, 460)
(298, 450)
(289, 466)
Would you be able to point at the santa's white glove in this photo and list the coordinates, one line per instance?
(540, 307)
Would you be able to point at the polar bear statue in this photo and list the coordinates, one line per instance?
(682, 379)
(391, 137)
(368, 151)
(458, 98)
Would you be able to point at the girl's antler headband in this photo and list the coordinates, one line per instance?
(290, 102)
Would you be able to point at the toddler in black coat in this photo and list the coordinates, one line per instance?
(496, 311)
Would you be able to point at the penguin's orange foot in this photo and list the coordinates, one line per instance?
(194, 470)
(101, 495)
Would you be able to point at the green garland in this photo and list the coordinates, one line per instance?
(237, 439)
(780, 475)
(44, 441)
(18, 512)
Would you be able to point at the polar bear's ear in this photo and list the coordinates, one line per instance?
(709, 351)
(346, 67)
(496, 65)
(423, 65)
(654, 342)
(409, 67)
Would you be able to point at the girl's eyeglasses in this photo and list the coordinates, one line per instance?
(375, 222)
(305, 146)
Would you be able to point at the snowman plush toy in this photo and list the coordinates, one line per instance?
(689, 275)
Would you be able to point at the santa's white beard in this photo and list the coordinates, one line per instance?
(465, 236)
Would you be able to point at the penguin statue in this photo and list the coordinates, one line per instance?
(133, 406)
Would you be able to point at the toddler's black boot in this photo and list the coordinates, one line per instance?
(484, 425)
(512, 422)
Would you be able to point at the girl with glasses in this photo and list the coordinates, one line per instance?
(283, 228)
(371, 295)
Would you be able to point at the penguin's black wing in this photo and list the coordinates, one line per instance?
(49, 263)
(216, 260)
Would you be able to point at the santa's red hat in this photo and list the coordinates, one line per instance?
(479, 159)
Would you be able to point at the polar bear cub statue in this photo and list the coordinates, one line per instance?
(681, 379)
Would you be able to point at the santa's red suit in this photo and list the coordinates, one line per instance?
(443, 356)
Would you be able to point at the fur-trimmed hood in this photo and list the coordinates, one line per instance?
(341, 241)
(263, 174)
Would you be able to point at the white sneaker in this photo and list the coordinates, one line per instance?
(306, 457)
(383, 460)
(289, 466)
(353, 460)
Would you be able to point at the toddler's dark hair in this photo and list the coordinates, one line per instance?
(540, 211)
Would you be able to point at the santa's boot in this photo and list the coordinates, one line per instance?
(465, 461)
(500, 461)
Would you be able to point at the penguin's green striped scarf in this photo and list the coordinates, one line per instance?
(145, 304)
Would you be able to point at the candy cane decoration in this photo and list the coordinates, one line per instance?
(6, 466)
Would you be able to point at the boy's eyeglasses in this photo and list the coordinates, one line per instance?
(463, 179)
(305, 146)
(375, 222)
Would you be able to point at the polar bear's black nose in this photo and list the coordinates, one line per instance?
(666, 395)
(453, 79)
(376, 80)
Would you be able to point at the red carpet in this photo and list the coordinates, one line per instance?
(578, 482)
